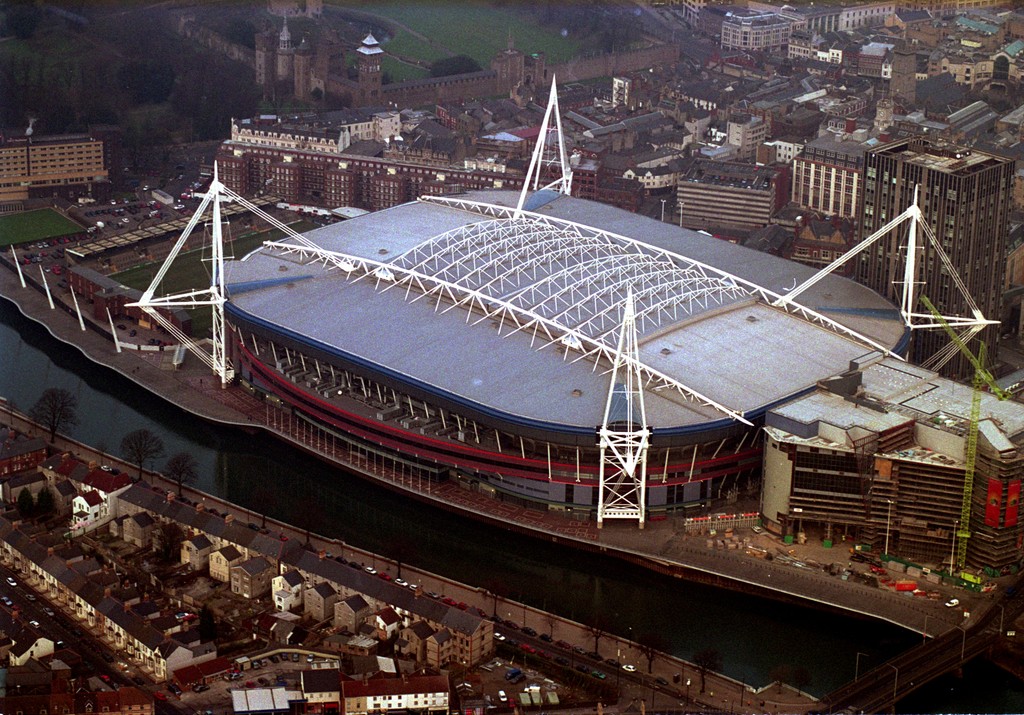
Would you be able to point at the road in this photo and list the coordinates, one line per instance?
(97, 658)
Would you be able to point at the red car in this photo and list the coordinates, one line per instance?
(159, 695)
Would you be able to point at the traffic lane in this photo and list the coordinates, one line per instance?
(60, 627)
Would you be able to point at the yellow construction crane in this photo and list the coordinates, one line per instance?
(982, 377)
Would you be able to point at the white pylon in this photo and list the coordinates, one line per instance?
(624, 436)
(564, 182)
(214, 296)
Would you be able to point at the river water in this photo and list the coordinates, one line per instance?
(753, 635)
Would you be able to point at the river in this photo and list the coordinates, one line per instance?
(753, 635)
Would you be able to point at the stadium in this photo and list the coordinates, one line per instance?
(470, 338)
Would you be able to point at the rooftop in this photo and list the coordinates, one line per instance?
(565, 270)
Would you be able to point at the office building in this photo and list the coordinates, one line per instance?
(966, 196)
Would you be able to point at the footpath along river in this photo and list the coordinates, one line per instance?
(753, 635)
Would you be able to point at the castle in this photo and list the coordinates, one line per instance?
(303, 72)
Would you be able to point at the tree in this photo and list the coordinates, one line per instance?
(780, 674)
(56, 410)
(168, 538)
(26, 504)
(403, 550)
(597, 627)
(139, 446)
(800, 678)
(44, 502)
(182, 468)
(498, 589)
(207, 625)
(651, 644)
(705, 660)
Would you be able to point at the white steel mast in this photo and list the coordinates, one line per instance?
(624, 436)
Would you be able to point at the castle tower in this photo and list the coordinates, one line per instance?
(368, 64)
(285, 53)
(265, 63)
(903, 84)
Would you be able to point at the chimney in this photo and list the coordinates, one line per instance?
(106, 592)
(93, 464)
(851, 125)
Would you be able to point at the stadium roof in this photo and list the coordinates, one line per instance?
(493, 311)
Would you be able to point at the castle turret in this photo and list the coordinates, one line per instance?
(368, 58)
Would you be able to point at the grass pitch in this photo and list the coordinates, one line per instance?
(37, 225)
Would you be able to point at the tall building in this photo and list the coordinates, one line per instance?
(966, 196)
(828, 176)
(66, 165)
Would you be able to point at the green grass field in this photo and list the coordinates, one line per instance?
(476, 29)
(190, 270)
(36, 225)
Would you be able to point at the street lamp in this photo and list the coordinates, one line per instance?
(688, 681)
(963, 642)
(888, 521)
(856, 667)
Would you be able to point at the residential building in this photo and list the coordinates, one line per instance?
(828, 176)
(351, 613)
(382, 695)
(196, 552)
(223, 560)
(965, 196)
(19, 452)
(715, 193)
(287, 590)
(251, 578)
(819, 243)
(319, 602)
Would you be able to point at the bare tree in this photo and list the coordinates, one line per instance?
(705, 660)
(651, 644)
(182, 468)
(139, 446)
(780, 674)
(598, 626)
(498, 589)
(56, 410)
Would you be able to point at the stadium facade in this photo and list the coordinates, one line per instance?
(461, 338)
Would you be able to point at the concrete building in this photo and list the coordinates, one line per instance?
(966, 196)
(877, 456)
(827, 176)
(716, 193)
(66, 166)
(746, 133)
(759, 31)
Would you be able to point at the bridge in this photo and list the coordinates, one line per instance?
(879, 689)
